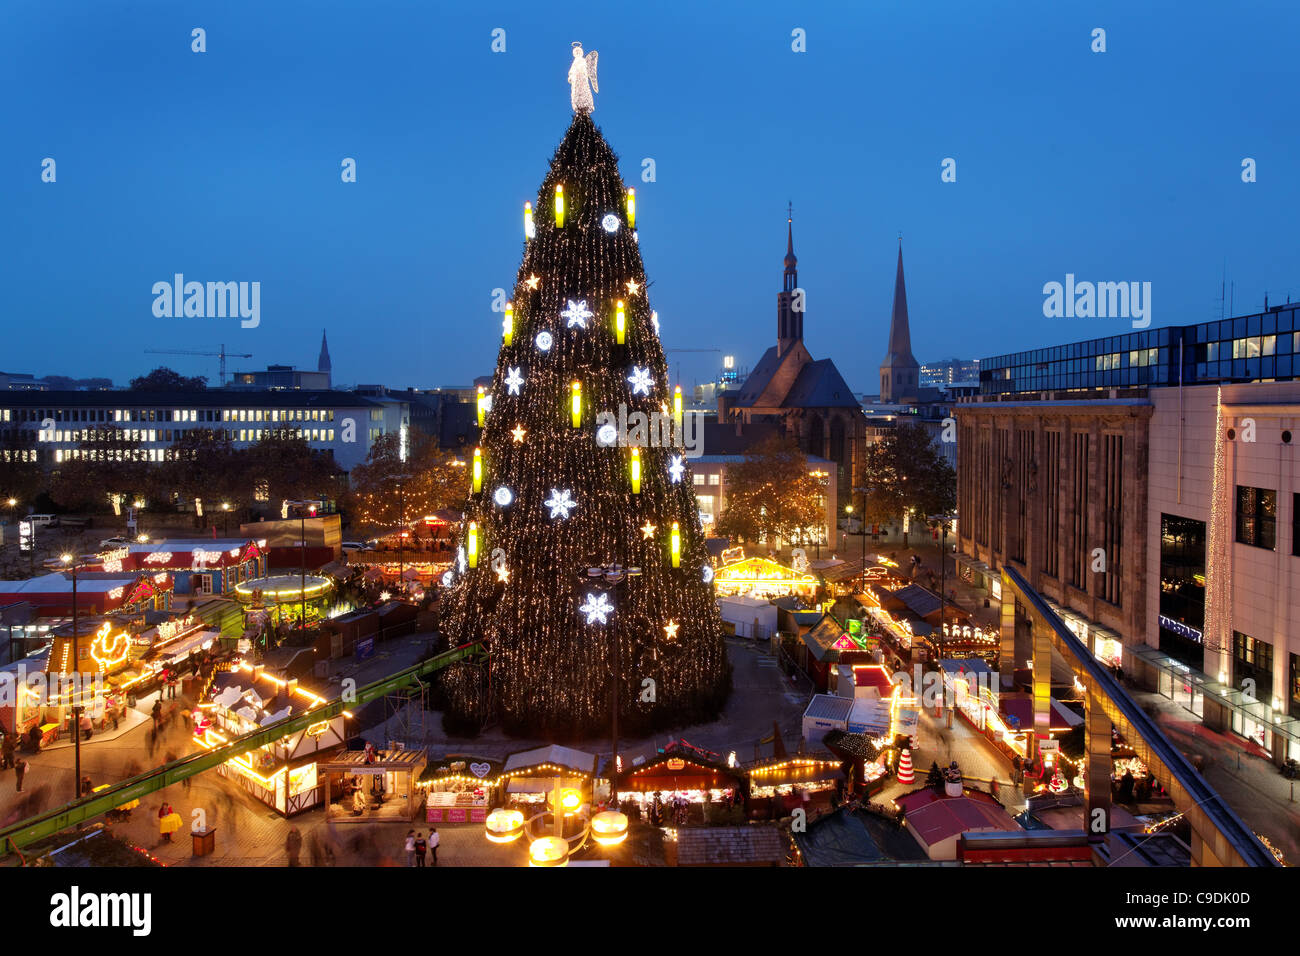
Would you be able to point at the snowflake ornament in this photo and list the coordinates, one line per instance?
(676, 469)
(597, 607)
(707, 574)
(543, 341)
(640, 380)
(610, 222)
(514, 380)
(560, 503)
(577, 314)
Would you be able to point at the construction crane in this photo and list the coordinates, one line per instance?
(221, 377)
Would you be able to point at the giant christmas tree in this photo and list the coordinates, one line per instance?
(582, 547)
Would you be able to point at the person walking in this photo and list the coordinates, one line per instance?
(20, 768)
(410, 848)
(164, 824)
(156, 712)
(293, 845)
(421, 848)
(7, 752)
(433, 844)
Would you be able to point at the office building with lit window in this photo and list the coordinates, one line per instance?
(1146, 484)
(51, 427)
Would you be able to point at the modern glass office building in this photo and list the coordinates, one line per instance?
(1248, 348)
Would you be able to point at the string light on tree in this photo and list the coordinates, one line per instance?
(514, 380)
(545, 676)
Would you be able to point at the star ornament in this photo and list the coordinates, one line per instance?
(503, 574)
(671, 630)
(632, 287)
(647, 531)
(519, 433)
(514, 381)
(577, 314)
(597, 608)
(533, 282)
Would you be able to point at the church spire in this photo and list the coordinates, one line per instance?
(323, 363)
(789, 301)
(899, 371)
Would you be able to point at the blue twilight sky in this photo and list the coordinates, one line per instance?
(225, 165)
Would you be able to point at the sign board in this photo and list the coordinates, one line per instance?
(909, 721)
(365, 648)
(26, 536)
(676, 763)
(1049, 746)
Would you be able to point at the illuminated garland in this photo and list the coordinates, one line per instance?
(573, 502)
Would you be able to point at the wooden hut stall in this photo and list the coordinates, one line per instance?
(778, 785)
(529, 775)
(679, 771)
(385, 788)
(460, 788)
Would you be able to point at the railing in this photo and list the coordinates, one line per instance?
(35, 828)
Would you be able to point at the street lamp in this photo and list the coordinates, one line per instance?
(225, 517)
(942, 520)
(75, 684)
(563, 804)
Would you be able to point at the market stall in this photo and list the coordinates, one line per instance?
(459, 789)
(778, 785)
(367, 786)
(678, 774)
(283, 773)
(763, 578)
(529, 775)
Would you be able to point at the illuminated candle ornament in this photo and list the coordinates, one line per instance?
(620, 324)
(559, 205)
(631, 208)
(677, 408)
(677, 546)
(478, 469)
(636, 471)
(530, 231)
(575, 404)
(471, 545)
(508, 324)
(482, 406)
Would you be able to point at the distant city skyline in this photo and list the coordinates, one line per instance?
(1122, 166)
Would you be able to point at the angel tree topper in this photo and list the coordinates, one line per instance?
(582, 80)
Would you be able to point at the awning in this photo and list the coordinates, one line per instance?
(543, 784)
(188, 644)
(975, 564)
